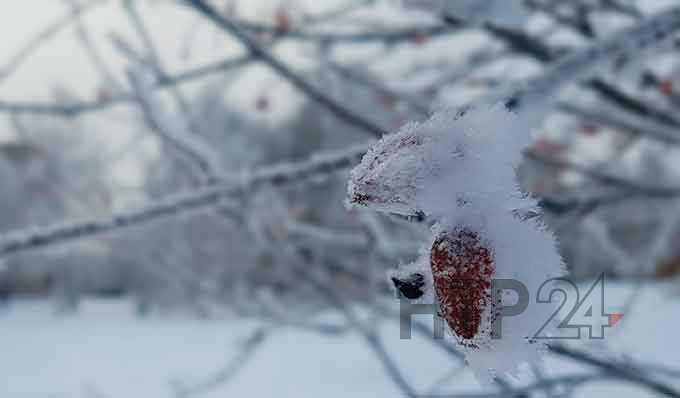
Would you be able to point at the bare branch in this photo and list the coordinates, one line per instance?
(369, 335)
(578, 64)
(265, 56)
(632, 187)
(89, 47)
(173, 131)
(616, 369)
(647, 128)
(223, 376)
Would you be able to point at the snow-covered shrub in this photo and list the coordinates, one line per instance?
(459, 171)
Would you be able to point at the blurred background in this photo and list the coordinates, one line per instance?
(221, 133)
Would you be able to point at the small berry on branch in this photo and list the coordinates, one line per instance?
(462, 268)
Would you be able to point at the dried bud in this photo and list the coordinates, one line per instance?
(372, 183)
(590, 129)
(262, 104)
(666, 87)
(420, 39)
(283, 22)
(433, 166)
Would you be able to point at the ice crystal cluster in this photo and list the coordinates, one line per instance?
(459, 171)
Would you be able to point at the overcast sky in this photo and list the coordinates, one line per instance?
(61, 59)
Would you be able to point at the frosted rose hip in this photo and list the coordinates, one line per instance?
(462, 269)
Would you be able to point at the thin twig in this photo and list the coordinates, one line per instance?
(231, 370)
(638, 188)
(265, 56)
(615, 369)
(232, 184)
(369, 335)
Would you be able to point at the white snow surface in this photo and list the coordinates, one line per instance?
(105, 349)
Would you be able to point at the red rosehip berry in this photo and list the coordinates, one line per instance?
(462, 268)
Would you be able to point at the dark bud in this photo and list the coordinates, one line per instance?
(410, 287)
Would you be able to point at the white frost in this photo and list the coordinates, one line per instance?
(460, 172)
(445, 161)
(523, 251)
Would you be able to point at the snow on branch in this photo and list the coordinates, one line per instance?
(458, 169)
(579, 64)
(573, 66)
(508, 13)
(257, 51)
(175, 130)
(320, 164)
(427, 167)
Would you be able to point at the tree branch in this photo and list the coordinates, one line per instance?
(262, 54)
(211, 195)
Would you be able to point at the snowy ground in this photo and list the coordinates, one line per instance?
(105, 352)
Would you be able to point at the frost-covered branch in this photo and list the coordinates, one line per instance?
(534, 47)
(282, 173)
(619, 370)
(223, 376)
(624, 121)
(637, 188)
(172, 130)
(580, 64)
(265, 56)
(418, 104)
(355, 241)
(85, 38)
(458, 168)
(367, 332)
(632, 104)
(320, 164)
(78, 108)
(192, 74)
(387, 37)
